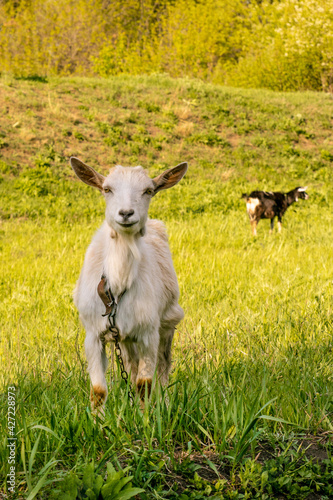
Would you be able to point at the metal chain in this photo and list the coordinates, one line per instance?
(115, 334)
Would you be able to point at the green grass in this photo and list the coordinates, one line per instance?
(249, 407)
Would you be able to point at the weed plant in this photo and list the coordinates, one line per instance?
(248, 411)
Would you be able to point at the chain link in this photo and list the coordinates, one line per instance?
(115, 334)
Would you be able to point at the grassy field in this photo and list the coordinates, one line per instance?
(249, 412)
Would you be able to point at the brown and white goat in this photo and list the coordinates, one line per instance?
(132, 252)
(267, 205)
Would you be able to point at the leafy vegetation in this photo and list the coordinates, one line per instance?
(248, 412)
(281, 45)
(92, 486)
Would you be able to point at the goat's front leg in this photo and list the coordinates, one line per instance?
(254, 227)
(272, 225)
(147, 354)
(97, 365)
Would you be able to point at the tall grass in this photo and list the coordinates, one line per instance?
(252, 357)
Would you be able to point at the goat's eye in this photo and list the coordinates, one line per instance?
(149, 192)
(107, 190)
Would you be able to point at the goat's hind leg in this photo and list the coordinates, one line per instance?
(164, 354)
(147, 353)
(129, 354)
(167, 330)
(279, 224)
(97, 365)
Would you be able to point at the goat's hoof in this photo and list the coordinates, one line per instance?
(97, 396)
(141, 385)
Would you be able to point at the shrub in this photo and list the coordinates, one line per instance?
(92, 486)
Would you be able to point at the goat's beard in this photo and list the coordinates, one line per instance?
(132, 241)
(133, 246)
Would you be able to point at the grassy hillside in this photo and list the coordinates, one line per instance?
(250, 397)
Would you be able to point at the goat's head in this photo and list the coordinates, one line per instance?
(127, 192)
(300, 193)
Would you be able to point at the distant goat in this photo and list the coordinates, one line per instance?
(266, 205)
(130, 256)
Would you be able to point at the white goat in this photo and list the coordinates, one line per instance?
(132, 252)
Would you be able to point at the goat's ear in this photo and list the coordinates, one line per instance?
(170, 177)
(87, 174)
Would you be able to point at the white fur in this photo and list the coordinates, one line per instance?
(148, 311)
(251, 205)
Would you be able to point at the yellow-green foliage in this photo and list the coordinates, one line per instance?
(285, 45)
(201, 36)
(191, 38)
(52, 37)
(290, 47)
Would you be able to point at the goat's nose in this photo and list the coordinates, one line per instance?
(126, 214)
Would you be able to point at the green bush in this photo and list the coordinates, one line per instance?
(92, 486)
